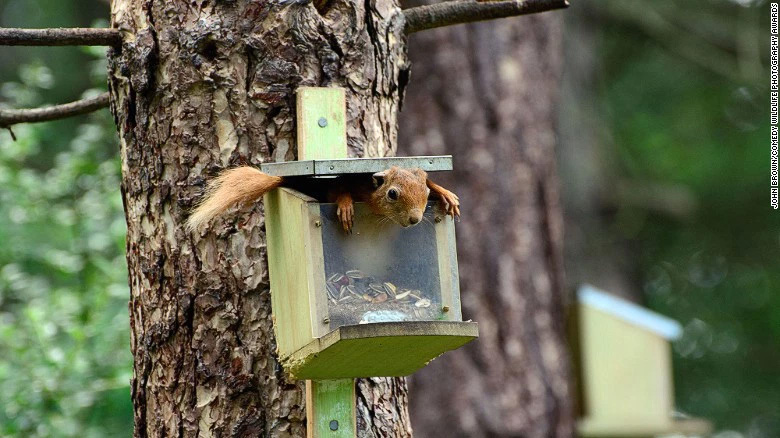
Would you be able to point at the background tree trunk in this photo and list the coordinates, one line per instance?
(589, 180)
(486, 93)
(197, 87)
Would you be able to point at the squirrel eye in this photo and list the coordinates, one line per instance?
(392, 194)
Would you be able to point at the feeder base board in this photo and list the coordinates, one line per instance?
(388, 349)
(625, 428)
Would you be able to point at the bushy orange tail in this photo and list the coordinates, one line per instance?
(233, 186)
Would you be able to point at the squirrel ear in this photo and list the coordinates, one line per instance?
(421, 173)
(379, 178)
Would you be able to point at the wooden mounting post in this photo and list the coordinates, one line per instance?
(322, 126)
(330, 408)
(322, 134)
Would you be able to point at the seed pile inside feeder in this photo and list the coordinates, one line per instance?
(356, 298)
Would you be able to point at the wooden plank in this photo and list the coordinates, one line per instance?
(591, 428)
(380, 349)
(627, 371)
(285, 224)
(448, 266)
(316, 261)
(315, 105)
(322, 134)
(330, 408)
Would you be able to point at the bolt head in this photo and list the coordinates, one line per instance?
(323, 122)
(334, 425)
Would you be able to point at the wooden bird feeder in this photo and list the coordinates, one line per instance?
(625, 369)
(380, 301)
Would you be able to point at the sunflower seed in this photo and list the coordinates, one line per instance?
(423, 302)
(332, 291)
(355, 274)
(403, 295)
(390, 288)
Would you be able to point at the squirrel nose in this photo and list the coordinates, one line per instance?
(413, 219)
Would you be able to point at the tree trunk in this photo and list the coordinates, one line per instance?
(588, 176)
(486, 93)
(203, 85)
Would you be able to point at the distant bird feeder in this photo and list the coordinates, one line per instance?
(625, 369)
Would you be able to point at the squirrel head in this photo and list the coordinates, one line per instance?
(400, 195)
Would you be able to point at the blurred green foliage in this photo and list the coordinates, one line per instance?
(703, 125)
(65, 361)
(64, 329)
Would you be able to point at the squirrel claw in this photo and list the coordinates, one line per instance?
(346, 216)
(451, 204)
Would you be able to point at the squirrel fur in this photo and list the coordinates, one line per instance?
(397, 194)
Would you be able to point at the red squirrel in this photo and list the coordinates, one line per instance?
(398, 194)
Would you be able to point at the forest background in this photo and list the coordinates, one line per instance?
(663, 156)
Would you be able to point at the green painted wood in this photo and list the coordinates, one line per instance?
(322, 134)
(627, 380)
(331, 408)
(378, 350)
(315, 257)
(315, 141)
(448, 265)
(285, 226)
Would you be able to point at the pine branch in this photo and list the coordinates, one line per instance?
(59, 37)
(467, 11)
(79, 107)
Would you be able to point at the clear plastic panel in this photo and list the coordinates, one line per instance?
(381, 272)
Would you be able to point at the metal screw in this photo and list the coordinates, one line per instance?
(437, 219)
(323, 122)
(430, 161)
(334, 425)
(326, 320)
(445, 308)
(332, 167)
(317, 224)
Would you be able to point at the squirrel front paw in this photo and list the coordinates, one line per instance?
(450, 202)
(345, 213)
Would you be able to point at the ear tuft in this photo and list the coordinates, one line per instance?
(379, 178)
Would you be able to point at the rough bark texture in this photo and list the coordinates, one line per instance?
(486, 93)
(196, 87)
(59, 37)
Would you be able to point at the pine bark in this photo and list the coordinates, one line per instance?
(197, 87)
(487, 94)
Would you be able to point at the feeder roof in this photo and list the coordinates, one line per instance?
(629, 312)
(356, 165)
